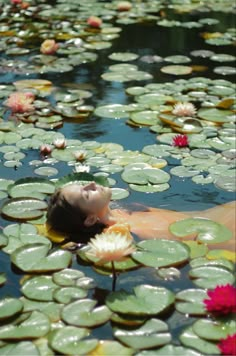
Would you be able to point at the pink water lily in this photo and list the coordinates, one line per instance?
(20, 102)
(94, 21)
(227, 346)
(221, 300)
(49, 47)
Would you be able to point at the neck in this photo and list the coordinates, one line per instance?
(107, 217)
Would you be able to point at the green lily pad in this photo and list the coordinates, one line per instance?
(24, 208)
(214, 330)
(216, 115)
(37, 258)
(209, 276)
(69, 341)
(170, 350)
(151, 334)
(123, 56)
(161, 253)
(51, 309)
(83, 313)
(22, 348)
(68, 294)
(35, 326)
(150, 188)
(10, 307)
(110, 347)
(190, 301)
(191, 339)
(207, 231)
(39, 288)
(113, 111)
(145, 175)
(176, 69)
(67, 277)
(146, 300)
(196, 249)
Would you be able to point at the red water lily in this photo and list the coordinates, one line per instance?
(180, 141)
(227, 346)
(222, 300)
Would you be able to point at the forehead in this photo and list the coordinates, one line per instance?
(72, 189)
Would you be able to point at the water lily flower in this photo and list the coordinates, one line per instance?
(180, 141)
(184, 109)
(94, 21)
(49, 47)
(20, 102)
(222, 300)
(227, 346)
(81, 168)
(79, 155)
(59, 143)
(45, 150)
(110, 246)
(124, 6)
(16, 2)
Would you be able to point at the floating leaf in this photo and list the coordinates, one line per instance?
(190, 301)
(37, 258)
(69, 340)
(146, 300)
(176, 70)
(35, 326)
(207, 231)
(31, 187)
(209, 276)
(153, 333)
(214, 330)
(10, 307)
(84, 313)
(33, 287)
(161, 253)
(24, 208)
(191, 339)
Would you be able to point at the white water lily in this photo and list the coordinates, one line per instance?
(110, 247)
(184, 109)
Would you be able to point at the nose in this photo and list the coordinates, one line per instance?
(90, 186)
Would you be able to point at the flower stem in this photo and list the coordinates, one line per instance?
(113, 276)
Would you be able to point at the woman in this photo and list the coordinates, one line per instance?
(76, 208)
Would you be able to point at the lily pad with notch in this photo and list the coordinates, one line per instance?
(145, 300)
(161, 253)
(207, 231)
(152, 333)
(24, 208)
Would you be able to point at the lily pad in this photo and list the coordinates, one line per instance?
(69, 341)
(83, 313)
(190, 301)
(151, 334)
(214, 330)
(209, 276)
(10, 307)
(146, 300)
(191, 339)
(170, 350)
(31, 187)
(24, 208)
(161, 253)
(39, 288)
(37, 258)
(22, 348)
(216, 115)
(176, 70)
(35, 326)
(207, 231)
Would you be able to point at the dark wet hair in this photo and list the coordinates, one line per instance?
(66, 218)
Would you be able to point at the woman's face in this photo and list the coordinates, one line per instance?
(90, 198)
